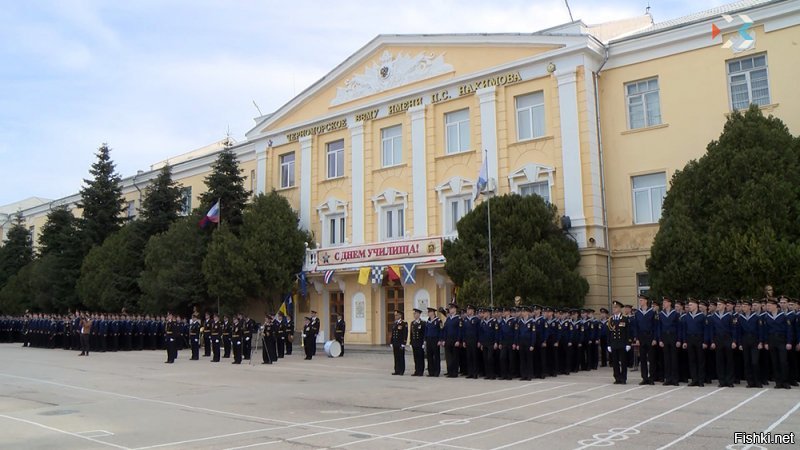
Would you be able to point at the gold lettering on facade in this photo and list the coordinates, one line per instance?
(365, 116)
(440, 96)
(404, 105)
(499, 80)
(318, 129)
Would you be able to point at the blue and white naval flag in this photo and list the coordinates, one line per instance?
(483, 176)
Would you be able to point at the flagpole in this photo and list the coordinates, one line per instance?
(489, 221)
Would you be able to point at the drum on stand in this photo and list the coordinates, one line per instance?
(333, 349)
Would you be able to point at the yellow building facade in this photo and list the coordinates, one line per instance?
(380, 157)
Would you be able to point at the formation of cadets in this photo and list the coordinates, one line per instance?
(223, 337)
(693, 341)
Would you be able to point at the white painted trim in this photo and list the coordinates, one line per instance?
(357, 174)
(261, 166)
(571, 152)
(488, 107)
(419, 174)
(595, 191)
(532, 173)
(305, 183)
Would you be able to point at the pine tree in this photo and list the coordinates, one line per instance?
(532, 257)
(729, 224)
(225, 183)
(54, 275)
(161, 205)
(59, 234)
(16, 252)
(101, 200)
(231, 275)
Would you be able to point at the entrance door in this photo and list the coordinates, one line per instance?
(394, 301)
(335, 306)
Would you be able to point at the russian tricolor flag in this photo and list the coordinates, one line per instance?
(211, 216)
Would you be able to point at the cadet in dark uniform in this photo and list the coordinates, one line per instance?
(603, 337)
(309, 340)
(505, 340)
(550, 339)
(619, 343)
(339, 330)
(525, 341)
(226, 337)
(666, 333)
(170, 336)
(289, 325)
(247, 334)
(417, 343)
(487, 340)
(644, 322)
(749, 333)
(194, 338)
(236, 340)
(471, 327)
(399, 339)
(723, 328)
(433, 340)
(694, 338)
(778, 340)
(216, 335)
(452, 340)
(269, 338)
(206, 331)
(280, 322)
(315, 327)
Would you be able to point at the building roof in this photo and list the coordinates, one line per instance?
(29, 202)
(730, 9)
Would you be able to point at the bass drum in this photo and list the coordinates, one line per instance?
(333, 349)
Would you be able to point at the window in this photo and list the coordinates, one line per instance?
(335, 232)
(642, 283)
(456, 208)
(648, 196)
(540, 188)
(252, 181)
(644, 108)
(393, 223)
(748, 81)
(392, 145)
(186, 201)
(131, 209)
(457, 131)
(335, 152)
(287, 170)
(530, 116)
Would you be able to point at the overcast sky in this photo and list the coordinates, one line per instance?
(156, 78)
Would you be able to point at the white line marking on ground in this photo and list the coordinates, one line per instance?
(589, 419)
(778, 422)
(46, 427)
(313, 424)
(530, 418)
(707, 422)
(609, 438)
(417, 430)
(253, 445)
(95, 433)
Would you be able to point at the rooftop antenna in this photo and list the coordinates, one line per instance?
(258, 109)
(228, 137)
(569, 10)
(647, 10)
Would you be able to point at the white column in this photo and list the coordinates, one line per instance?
(357, 143)
(261, 166)
(419, 171)
(305, 182)
(571, 153)
(488, 101)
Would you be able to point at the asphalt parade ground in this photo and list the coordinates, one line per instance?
(131, 400)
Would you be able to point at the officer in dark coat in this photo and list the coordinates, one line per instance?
(309, 339)
(398, 342)
(206, 331)
(237, 334)
(619, 343)
(339, 330)
(171, 337)
(194, 338)
(289, 325)
(417, 331)
(247, 335)
(216, 337)
(280, 323)
(226, 337)
(269, 353)
(433, 340)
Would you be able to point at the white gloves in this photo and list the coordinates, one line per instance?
(627, 348)
(609, 349)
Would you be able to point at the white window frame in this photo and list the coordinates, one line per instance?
(532, 173)
(643, 90)
(748, 81)
(338, 159)
(392, 140)
(339, 223)
(464, 204)
(534, 185)
(186, 201)
(130, 210)
(642, 289)
(536, 108)
(451, 122)
(393, 222)
(390, 200)
(654, 216)
(287, 168)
